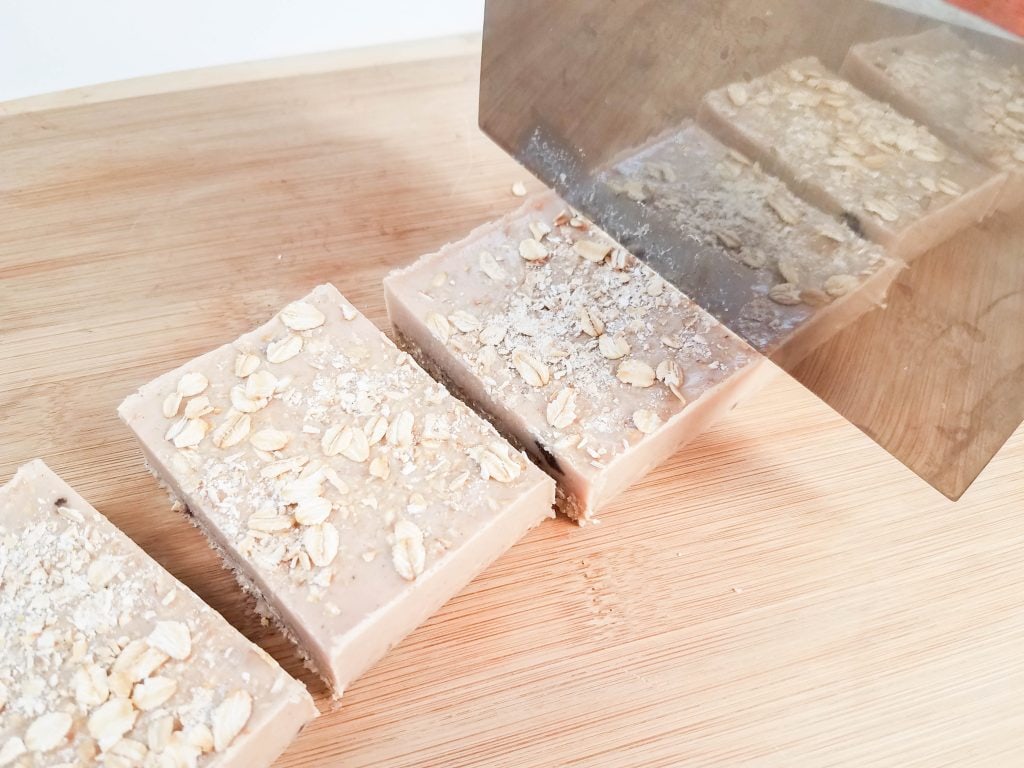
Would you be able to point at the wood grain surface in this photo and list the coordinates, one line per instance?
(780, 593)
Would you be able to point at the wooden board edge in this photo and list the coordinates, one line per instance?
(227, 74)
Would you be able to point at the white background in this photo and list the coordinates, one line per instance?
(51, 45)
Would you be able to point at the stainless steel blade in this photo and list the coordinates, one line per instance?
(937, 376)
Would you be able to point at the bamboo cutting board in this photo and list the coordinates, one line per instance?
(780, 593)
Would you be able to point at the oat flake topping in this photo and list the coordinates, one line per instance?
(100, 664)
(571, 330)
(323, 444)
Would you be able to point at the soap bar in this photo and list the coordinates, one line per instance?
(351, 493)
(107, 660)
(968, 98)
(854, 157)
(583, 355)
(807, 275)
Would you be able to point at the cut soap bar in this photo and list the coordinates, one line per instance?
(106, 659)
(806, 274)
(968, 98)
(349, 491)
(853, 156)
(588, 359)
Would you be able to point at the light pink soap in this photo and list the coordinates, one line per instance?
(107, 660)
(854, 157)
(346, 488)
(803, 275)
(589, 360)
(968, 98)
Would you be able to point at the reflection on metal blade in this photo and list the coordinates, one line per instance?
(872, 244)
